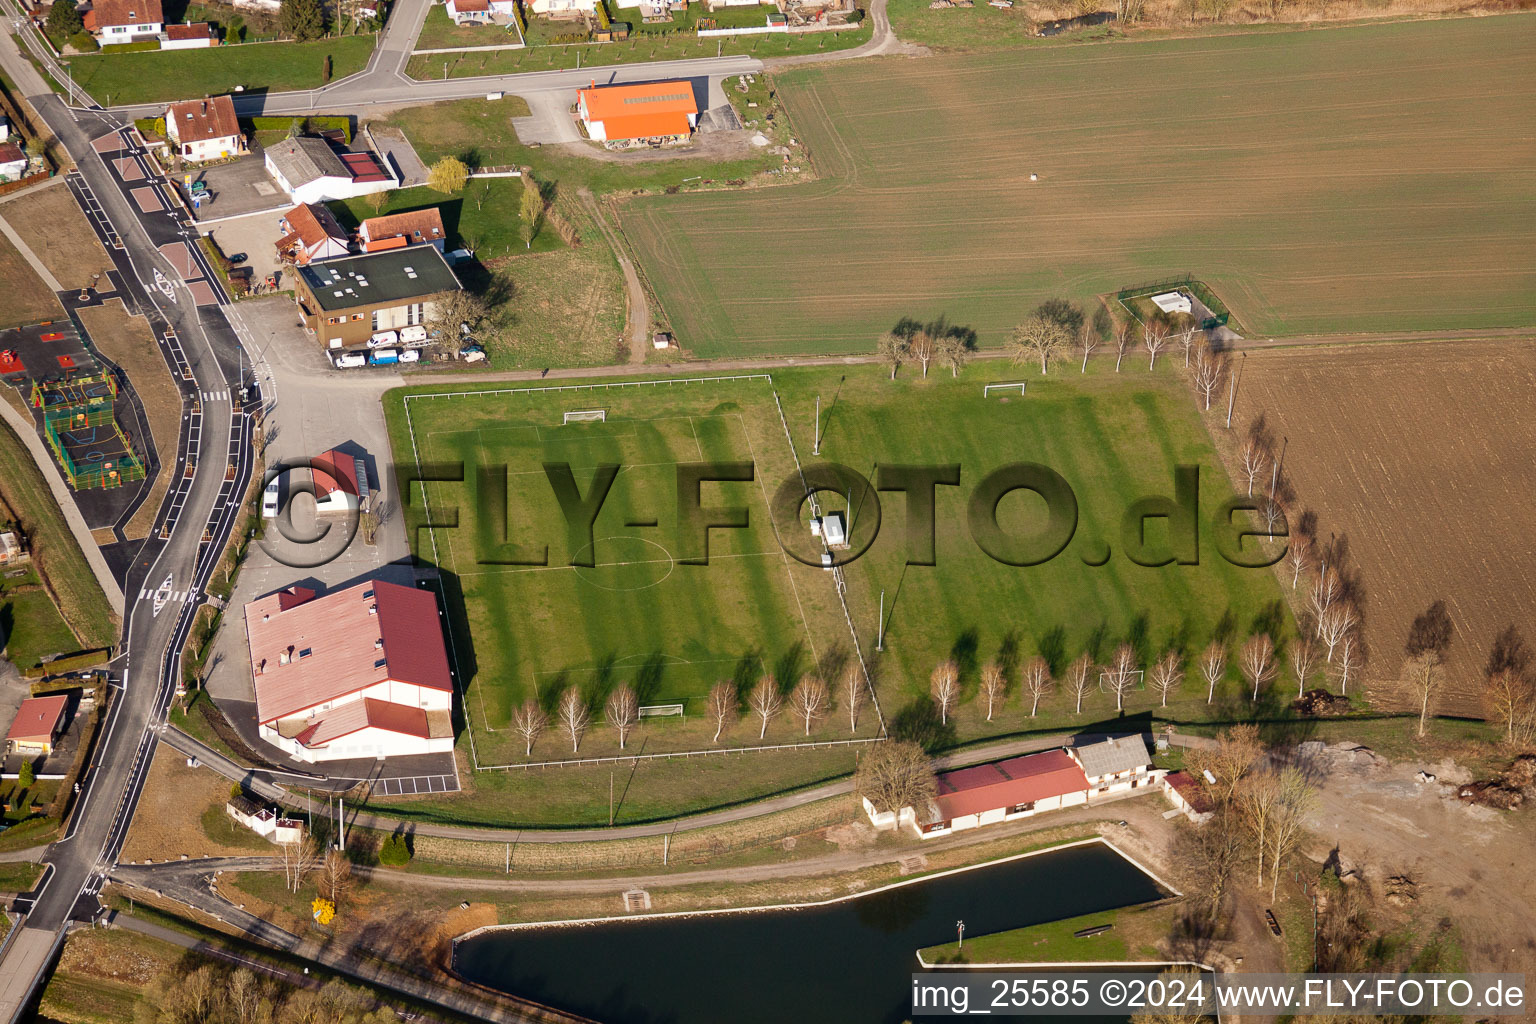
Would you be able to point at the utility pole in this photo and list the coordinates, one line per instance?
(816, 444)
(880, 626)
(610, 798)
(1232, 389)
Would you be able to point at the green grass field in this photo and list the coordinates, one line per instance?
(483, 217)
(31, 628)
(643, 617)
(1351, 179)
(127, 78)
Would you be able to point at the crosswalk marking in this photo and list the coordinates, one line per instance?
(216, 396)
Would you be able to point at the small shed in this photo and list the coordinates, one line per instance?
(38, 723)
(1173, 302)
(835, 530)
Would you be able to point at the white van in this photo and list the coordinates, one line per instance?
(410, 355)
(384, 338)
(347, 360)
(269, 496)
(413, 335)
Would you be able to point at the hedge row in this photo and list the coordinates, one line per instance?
(135, 47)
(336, 122)
(69, 663)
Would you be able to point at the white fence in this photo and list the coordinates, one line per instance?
(759, 30)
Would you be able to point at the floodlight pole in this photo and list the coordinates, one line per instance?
(816, 444)
(960, 927)
(880, 627)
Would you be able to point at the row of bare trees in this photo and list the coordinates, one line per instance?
(216, 994)
(807, 703)
(922, 343)
(1058, 326)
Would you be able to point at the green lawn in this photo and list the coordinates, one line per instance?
(484, 217)
(82, 603)
(1381, 194)
(638, 49)
(439, 32)
(19, 877)
(27, 801)
(1130, 938)
(128, 78)
(31, 628)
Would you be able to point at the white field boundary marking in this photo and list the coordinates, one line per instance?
(426, 503)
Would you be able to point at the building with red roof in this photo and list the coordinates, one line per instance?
(362, 672)
(205, 129)
(646, 112)
(39, 721)
(310, 232)
(1189, 795)
(122, 21)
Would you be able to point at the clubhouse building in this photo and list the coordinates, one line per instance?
(358, 673)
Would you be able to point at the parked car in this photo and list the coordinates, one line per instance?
(347, 360)
(459, 256)
(384, 338)
(238, 257)
(383, 356)
(413, 335)
(410, 355)
(269, 500)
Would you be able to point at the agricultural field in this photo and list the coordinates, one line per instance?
(641, 615)
(1353, 179)
(1418, 454)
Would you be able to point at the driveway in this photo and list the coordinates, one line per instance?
(255, 235)
(549, 119)
(238, 188)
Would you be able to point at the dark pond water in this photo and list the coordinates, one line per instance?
(847, 963)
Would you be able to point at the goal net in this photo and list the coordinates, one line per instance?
(1138, 681)
(586, 416)
(1012, 385)
(660, 710)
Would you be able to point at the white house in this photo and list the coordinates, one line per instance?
(205, 129)
(310, 233)
(988, 793)
(196, 36)
(398, 230)
(1115, 764)
(122, 21)
(5, 128)
(562, 8)
(13, 162)
(480, 12)
(310, 171)
(359, 673)
(1186, 794)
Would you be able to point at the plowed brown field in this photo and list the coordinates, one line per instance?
(1421, 454)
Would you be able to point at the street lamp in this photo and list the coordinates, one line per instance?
(960, 927)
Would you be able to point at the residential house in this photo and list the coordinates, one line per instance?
(310, 233)
(347, 301)
(13, 162)
(122, 21)
(1115, 764)
(1187, 794)
(188, 37)
(259, 819)
(205, 129)
(310, 171)
(562, 8)
(39, 722)
(646, 112)
(359, 673)
(397, 230)
(481, 12)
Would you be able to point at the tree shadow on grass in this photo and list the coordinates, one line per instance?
(919, 722)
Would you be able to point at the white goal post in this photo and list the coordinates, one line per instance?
(660, 710)
(1007, 385)
(1139, 683)
(586, 415)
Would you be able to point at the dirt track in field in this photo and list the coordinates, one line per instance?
(1421, 455)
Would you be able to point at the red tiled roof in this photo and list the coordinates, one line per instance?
(313, 224)
(364, 714)
(38, 719)
(197, 30)
(1018, 780)
(471, 5)
(10, 153)
(1192, 791)
(341, 644)
(212, 117)
(106, 13)
(416, 225)
(293, 597)
(334, 471)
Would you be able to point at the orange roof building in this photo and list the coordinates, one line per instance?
(310, 233)
(414, 227)
(38, 723)
(205, 129)
(642, 112)
(359, 673)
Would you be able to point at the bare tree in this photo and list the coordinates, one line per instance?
(1037, 681)
(1509, 698)
(1124, 332)
(765, 702)
(1213, 666)
(1350, 651)
(1119, 676)
(944, 684)
(1088, 339)
(623, 712)
(954, 348)
(1237, 751)
(335, 876)
(1080, 680)
(1209, 369)
(1294, 802)
(574, 715)
(1154, 338)
(1337, 622)
(721, 706)
(1303, 656)
(892, 350)
(809, 701)
(922, 348)
(994, 686)
(1038, 337)
(1257, 661)
(1188, 331)
(1298, 555)
(298, 859)
(1324, 592)
(1429, 638)
(853, 692)
(1258, 795)
(893, 775)
(528, 721)
(1253, 456)
(1166, 675)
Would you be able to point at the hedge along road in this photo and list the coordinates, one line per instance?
(259, 783)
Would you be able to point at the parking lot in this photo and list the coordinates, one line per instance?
(238, 188)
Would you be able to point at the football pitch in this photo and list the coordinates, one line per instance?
(641, 614)
(1335, 180)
